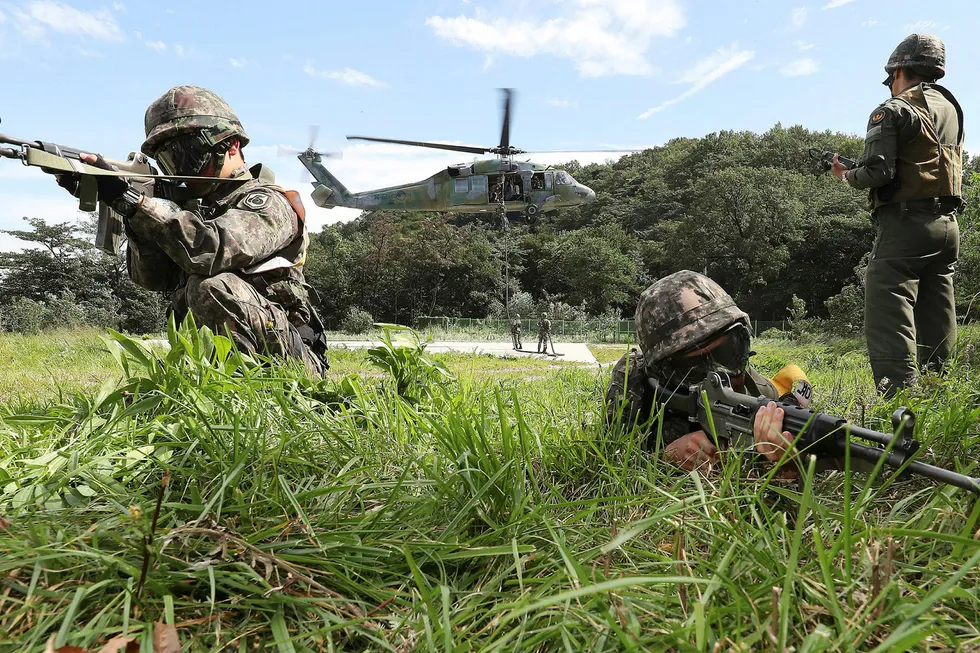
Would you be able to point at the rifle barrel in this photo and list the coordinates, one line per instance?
(896, 459)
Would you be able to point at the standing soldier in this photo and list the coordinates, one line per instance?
(544, 334)
(515, 331)
(230, 252)
(912, 168)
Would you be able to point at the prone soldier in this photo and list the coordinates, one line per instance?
(687, 326)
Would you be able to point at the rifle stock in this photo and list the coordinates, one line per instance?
(726, 414)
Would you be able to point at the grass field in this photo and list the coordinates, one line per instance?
(452, 502)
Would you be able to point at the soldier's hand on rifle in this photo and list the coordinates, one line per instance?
(838, 168)
(692, 451)
(770, 439)
(110, 188)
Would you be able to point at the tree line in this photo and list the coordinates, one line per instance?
(750, 210)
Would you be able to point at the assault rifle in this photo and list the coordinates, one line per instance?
(60, 159)
(826, 158)
(725, 413)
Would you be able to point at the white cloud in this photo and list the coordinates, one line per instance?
(118, 6)
(704, 72)
(562, 103)
(38, 17)
(237, 63)
(345, 75)
(833, 4)
(158, 46)
(803, 46)
(920, 26)
(799, 68)
(139, 35)
(179, 50)
(171, 12)
(601, 37)
(798, 17)
(871, 22)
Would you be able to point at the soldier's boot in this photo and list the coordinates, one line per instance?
(889, 322)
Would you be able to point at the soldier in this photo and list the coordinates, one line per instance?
(515, 331)
(686, 326)
(912, 168)
(230, 252)
(544, 334)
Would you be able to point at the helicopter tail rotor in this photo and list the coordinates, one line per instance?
(309, 152)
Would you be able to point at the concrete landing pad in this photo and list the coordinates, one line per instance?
(571, 352)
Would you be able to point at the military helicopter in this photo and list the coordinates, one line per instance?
(485, 185)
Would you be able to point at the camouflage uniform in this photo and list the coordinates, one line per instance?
(515, 332)
(674, 314)
(912, 168)
(544, 334)
(234, 258)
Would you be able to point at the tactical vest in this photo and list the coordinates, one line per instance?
(925, 167)
(279, 278)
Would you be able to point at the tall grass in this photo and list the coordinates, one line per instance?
(414, 509)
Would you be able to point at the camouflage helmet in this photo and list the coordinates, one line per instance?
(190, 109)
(679, 311)
(924, 54)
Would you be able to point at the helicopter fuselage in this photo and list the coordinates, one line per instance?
(481, 186)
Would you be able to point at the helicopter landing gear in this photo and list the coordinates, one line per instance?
(531, 210)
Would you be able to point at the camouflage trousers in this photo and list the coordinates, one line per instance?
(910, 317)
(256, 324)
(544, 339)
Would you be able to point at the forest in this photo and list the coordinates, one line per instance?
(752, 211)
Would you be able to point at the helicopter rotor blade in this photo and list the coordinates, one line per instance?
(505, 128)
(583, 151)
(436, 146)
(314, 132)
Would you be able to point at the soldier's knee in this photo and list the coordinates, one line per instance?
(202, 290)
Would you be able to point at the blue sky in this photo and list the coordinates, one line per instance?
(589, 74)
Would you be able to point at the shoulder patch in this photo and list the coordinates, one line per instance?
(256, 200)
(877, 116)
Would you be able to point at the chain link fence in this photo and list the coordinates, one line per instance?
(588, 330)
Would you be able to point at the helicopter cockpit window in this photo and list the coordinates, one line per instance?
(537, 181)
(563, 178)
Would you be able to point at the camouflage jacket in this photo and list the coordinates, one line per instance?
(639, 399)
(251, 229)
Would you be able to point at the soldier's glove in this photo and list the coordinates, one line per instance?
(69, 182)
(110, 188)
(117, 192)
